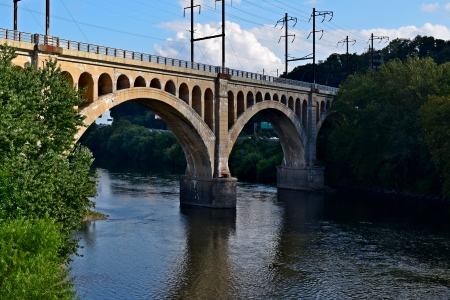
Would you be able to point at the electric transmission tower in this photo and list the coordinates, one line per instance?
(381, 38)
(192, 25)
(315, 14)
(346, 41)
(209, 37)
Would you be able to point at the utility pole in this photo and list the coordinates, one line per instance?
(372, 37)
(346, 40)
(285, 21)
(313, 16)
(192, 25)
(47, 21)
(218, 35)
(15, 14)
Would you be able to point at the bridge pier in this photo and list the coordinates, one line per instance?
(307, 179)
(214, 192)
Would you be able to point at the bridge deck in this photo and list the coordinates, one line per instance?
(39, 39)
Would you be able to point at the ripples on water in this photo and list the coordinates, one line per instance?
(288, 245)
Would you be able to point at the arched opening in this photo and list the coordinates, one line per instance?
(123, 82)
(250, 100)
(138, 143)
(304, 113)
(297, 108)
(275, 97)
(170, 88)
(267, 97)
(155, 83)
(209, 108)
(67, 76)
(86, 82)
(259, 97)
(322, 107)
(280, 143)
(317, 112)
(139, 82)
(240, 103)
(291, 103)
(230, 109)
(328, 105)
(105, 84)
(184, 93)
(283, 99)
(197, 100)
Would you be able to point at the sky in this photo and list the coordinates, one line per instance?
(252, 40)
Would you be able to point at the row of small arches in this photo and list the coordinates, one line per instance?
(243, 102)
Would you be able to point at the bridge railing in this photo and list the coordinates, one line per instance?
(90, 48)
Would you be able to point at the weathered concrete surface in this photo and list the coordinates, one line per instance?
(307, 179)
(215, 192)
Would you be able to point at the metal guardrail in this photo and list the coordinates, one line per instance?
(84, 47)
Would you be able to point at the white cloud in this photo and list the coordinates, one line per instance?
(429, 7)
(428, 29)
(447, 6)
(257, 48)
(243, 50)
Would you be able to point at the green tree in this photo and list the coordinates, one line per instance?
(380, 144)
(30, 267)
(41, 171)
(435, 124)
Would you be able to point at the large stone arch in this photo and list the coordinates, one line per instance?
(194, 135)
(288, 126)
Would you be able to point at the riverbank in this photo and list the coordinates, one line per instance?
(94, 216)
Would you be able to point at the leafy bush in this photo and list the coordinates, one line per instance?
(30, 267)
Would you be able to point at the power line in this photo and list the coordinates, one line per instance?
(74, 20)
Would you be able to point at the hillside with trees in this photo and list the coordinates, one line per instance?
(333, 70)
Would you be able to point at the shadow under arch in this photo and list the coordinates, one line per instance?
(194, 136)
(287, 125)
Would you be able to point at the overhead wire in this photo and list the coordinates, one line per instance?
(74, 21)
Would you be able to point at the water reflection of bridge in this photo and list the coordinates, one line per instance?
(205, 106)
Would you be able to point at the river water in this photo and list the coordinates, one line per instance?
(285, 245)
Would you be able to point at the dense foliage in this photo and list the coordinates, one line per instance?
(435, 123)
(45, 181)
(380, 142)
(124, 141)
(30, 267)
(333, 70)
(255, 160)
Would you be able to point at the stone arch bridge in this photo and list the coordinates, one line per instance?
(206, 107)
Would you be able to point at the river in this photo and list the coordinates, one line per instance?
(285, 245)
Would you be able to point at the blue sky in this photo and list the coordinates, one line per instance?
(158, 26)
